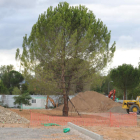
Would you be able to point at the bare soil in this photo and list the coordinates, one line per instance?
(89, 102)
(110, 133)
(26, 112)
(117, 133)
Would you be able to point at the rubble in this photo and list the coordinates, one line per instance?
(9, 117)
(117, 109)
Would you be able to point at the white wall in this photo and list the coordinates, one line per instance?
(40, 101)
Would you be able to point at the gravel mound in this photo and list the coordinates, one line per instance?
(117, 109)
(90, 101)
(9, 117)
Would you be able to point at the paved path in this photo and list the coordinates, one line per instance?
(40, 134)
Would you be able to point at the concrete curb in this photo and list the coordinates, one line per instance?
(86, 132)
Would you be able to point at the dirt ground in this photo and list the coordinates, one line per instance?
(87, 103)
(26, 112)
(117, 133)
(111, 133)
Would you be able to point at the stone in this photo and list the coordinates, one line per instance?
(8, 116)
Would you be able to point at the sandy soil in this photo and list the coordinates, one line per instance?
(91, 101)
(26, 112)
(117, 133)
(111, 133)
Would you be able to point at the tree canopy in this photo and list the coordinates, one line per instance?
(15, 78)
(4, 72)
(125, 77)
(10, 78)
(65, 44)
(3, 89)
(16, 91)
(22, 99)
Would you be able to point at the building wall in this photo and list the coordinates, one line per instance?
(8, 100)
(37, 101)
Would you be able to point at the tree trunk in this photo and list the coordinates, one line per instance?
(63, 85)
(124, 94)
(65, 108)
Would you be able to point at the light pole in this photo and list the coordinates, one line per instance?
(108, 86)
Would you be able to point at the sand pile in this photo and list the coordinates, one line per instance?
(7, 116)
(90, 101)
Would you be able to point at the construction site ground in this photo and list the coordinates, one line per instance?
(86, 103)
(44, 133)
(112, 133)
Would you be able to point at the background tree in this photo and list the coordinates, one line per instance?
(4, 71)
(10, 78)
(133, 93)
(97, 83)
(22, 99)
(16, 91)
(107, 84)
(3, 89)
(24, 88)
(15, 78)
(65, 44)
(125, 77)
(101, 83)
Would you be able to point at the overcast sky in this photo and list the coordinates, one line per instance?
(122, 17)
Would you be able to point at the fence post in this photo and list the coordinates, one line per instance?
(110, 118)
(30, 118)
